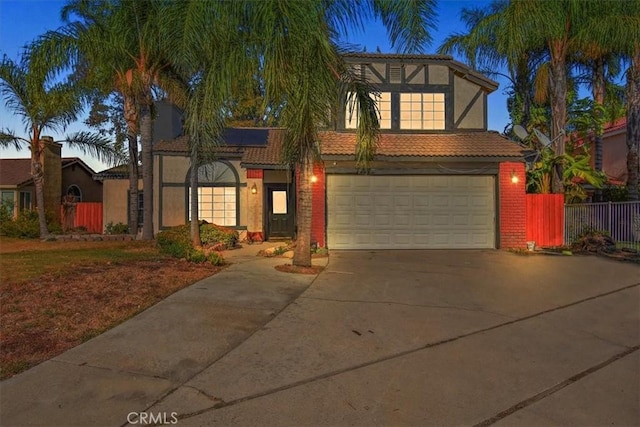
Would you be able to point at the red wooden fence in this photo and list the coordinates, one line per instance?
(87, 215)
(545, 219)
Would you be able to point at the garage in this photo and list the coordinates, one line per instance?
(411, 211)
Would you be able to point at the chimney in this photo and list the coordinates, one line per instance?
(52, 173)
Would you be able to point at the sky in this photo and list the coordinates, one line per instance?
(22, 21)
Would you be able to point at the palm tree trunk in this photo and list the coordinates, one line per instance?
(146, 140)
(38, 179)
(193, 183)
(302, 252)
(133, 183)
(558, 86)
(598, 97)
(131, 118)
(633, 125)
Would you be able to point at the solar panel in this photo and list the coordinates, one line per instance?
(244, 137)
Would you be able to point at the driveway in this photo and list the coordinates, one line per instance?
(437, 338)
(378, 338)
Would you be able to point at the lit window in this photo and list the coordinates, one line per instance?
(217, 194)
(383, 102)
(422, 111)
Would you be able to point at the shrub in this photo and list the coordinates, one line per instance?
(118, 228)
(211, 234)
(216, 259)
(176, 241)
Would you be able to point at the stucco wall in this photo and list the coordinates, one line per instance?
(115, 203)
(466, 94)
(76, 175)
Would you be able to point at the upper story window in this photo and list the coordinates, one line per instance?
(422, 111)
(383, 102)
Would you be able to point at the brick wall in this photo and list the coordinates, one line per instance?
(318, 200)
(512, 205)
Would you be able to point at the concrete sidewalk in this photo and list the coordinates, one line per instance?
(133, 366)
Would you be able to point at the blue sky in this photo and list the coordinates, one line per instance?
(23, 20)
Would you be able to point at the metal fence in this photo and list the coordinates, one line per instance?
(621, 220)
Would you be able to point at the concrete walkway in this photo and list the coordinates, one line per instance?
(379, 338)
(135, 365)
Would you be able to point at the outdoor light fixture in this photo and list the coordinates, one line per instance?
(254, 189)
(514, 177)
(314, 179)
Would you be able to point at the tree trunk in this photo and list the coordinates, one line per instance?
(633, 126)
(146, 140)
(598, 97)
(558, 87)
(193, 184)
(38, 179)
(133, 183)
(131, 118)
(302, 252)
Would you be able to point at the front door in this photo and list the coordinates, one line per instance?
(280, 211)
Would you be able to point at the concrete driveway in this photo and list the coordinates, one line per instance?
(378, 338)
(437, 338)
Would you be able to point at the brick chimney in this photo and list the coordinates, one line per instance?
(52, 172)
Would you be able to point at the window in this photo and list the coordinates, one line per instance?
(7, 201)
(75, 191)
(383, 102)
(25, 200)
(422, 111)
(217, 194)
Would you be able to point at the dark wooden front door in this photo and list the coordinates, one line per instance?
(280, 211)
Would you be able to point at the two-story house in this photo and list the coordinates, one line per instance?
(439, 179)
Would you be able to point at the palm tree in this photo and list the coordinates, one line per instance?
(618, 31)
(116, 45)
(26, 93)
(300, 64)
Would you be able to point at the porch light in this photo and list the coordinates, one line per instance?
(514, 177)
(314, 179)
(254, 189)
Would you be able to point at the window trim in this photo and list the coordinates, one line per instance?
(236, 185)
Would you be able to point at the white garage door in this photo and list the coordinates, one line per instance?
(410, 212)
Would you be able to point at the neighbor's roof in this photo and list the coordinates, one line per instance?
(470, 144)
(18, 171)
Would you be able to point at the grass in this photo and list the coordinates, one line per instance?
(628, 245)
(56, 295)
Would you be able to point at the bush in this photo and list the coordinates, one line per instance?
(210, 234)
(176, 241)
(118, 228)
(216, 259)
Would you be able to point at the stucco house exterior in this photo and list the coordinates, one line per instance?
(439, 179)
(614, 151)
(63, 176)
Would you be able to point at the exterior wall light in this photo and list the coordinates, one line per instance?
(514, 177)
(314, 179)
(254, 189)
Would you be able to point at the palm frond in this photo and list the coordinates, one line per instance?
(96, 146)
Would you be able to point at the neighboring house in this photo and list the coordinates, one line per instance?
(439, 179)
(63, 176)
(614, 151)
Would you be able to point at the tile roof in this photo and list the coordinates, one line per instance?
(181, 145)
(471, 144)
(269, 155)
(18, 171)
(14, 171)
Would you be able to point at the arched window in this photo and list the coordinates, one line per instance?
(75, 191)
(217, 194)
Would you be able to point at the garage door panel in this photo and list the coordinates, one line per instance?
(410, 211)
